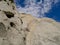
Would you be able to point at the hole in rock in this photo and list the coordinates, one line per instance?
(0, 0)
(4, 0)
(27, 29)
(9, 14)
(12, 24)
(12, 1)
(8, 3)
(24, 38)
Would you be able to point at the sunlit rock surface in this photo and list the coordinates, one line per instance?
(10, 24)
(44, 32)
(24, 29)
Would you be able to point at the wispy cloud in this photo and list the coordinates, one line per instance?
(36, 9)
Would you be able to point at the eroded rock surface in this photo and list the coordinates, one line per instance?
(10, 24)
(44, 32)
(24, 29)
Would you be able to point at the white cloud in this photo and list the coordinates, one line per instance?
(37, 9)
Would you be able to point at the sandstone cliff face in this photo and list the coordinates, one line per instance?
(42, 31)
(10, 24)
(24, 29)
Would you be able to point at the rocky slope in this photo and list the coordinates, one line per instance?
(24, 29)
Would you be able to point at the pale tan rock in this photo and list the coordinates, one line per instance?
(26, 19)
(24, 29)
(10, 25)
(43, 32)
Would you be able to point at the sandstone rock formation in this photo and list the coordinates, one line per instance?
(43, 32)
(24, 29)
(10, 24)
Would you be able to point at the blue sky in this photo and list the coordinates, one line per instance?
(20, 2)
(53, 13)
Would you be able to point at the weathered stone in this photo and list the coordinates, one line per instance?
(10, 25)
(24, 29)
(3, 31)
(43, 32)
